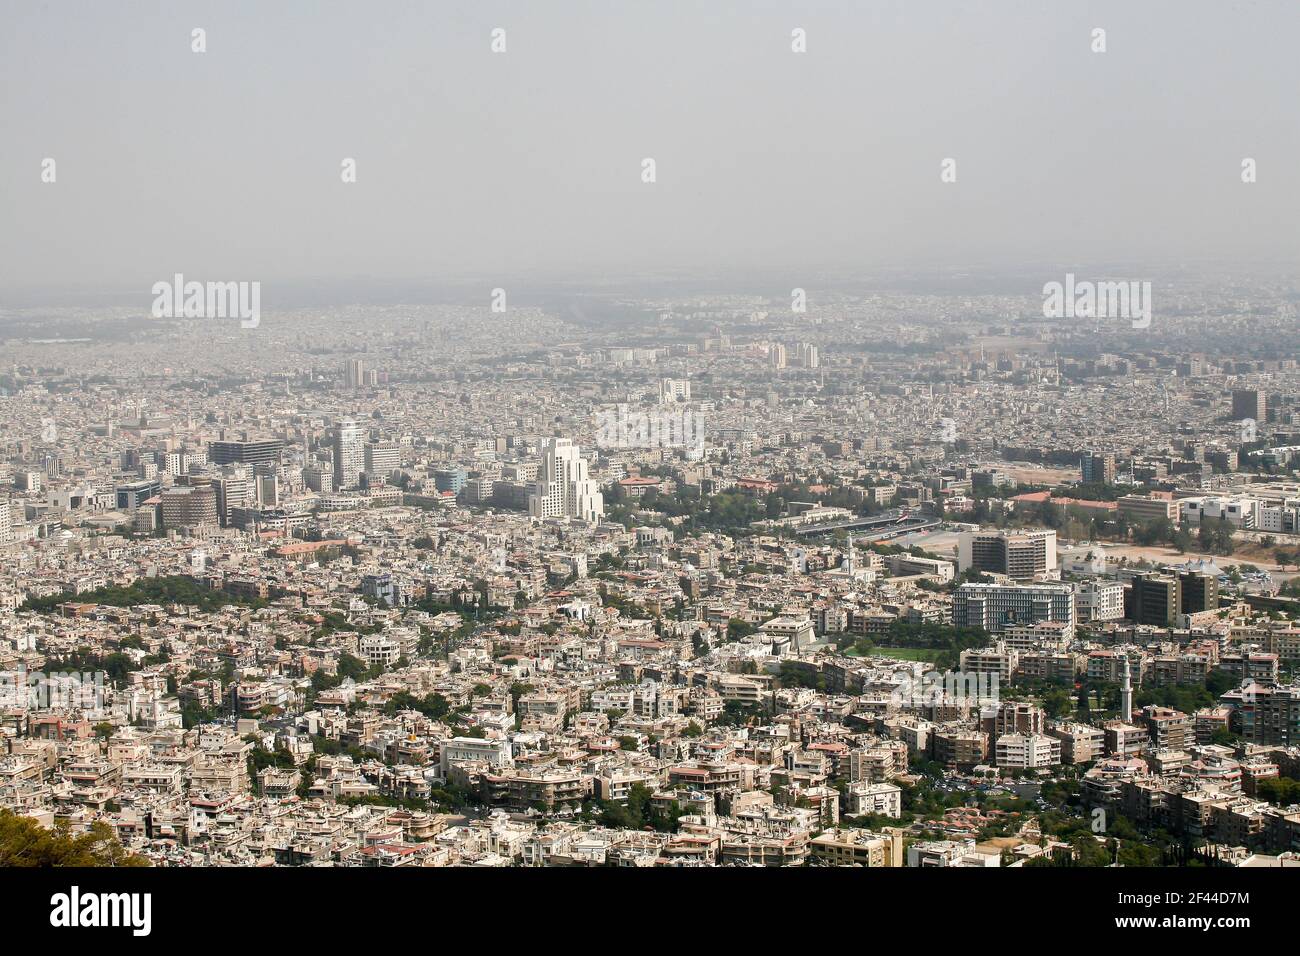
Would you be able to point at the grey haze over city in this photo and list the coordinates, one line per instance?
(526, 165)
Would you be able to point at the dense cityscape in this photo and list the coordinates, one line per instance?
(905, 573)
(452, 451)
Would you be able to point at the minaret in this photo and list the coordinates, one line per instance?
(852, 566)
(1126, 695)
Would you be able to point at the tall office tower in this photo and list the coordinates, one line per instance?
(6, 521)
(563, 488)
(1020, 555)
(268, 491)
(264, 452)
(1198, 591)
(1098, 600)
(674, 390)
(1249, 403)
(1153, 599)
(1126, 694)
(808, 355)
(776, 355)
(1096, 468)
(355, 372)
(382, 458)
(995, 607)
(349, 454)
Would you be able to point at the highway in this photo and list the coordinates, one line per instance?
(891, 524)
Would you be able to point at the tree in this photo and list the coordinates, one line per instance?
(25, 843)
(738, 629)
(1279, 791)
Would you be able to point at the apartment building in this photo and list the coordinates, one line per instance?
(1168, 729)
(1080, 743)
(1265, 714)
(1028, 751)
(852, 846)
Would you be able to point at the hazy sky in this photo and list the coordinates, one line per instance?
(226, 164)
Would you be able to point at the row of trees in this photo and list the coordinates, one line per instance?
(170, 589)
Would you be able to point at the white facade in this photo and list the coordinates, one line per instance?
(563, 488)
(1028, 751)
(878, 798)
(674, 390)
(382, 458)
(349, 454)
(1237, 511)
(1278, 518)
(458, 750)
(378, 649)
(1099, 600)
(995, 606)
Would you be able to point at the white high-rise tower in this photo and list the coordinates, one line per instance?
(349, 454)
(563, 488)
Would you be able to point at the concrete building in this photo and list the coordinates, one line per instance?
(1250, 403)
(349, 454)
(1020, 555)
(186, 506)
(1028, 751)
(563, 488)
(995, 606)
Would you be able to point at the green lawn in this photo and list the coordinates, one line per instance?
(907, 653)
